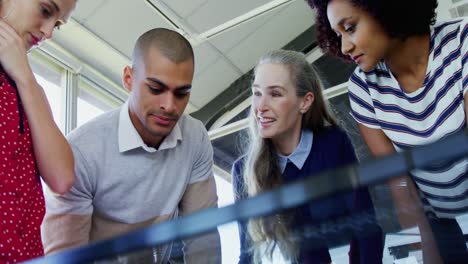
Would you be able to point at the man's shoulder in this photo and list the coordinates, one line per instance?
(191, 127)
(94, 130)
(189, 121)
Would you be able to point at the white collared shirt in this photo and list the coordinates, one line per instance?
(129, 138)
(300, 154)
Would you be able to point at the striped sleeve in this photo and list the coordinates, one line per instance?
(362, 107)
(464, 53)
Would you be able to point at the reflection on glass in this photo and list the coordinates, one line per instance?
(402, 246)
(405, 244)
(229, 233)
(141, 256)
(198, 249)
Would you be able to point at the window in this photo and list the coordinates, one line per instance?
(49, 76)
(92, 102)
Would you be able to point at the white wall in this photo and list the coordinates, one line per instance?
(443, 10)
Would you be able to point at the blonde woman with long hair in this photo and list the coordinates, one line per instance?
(293, 135)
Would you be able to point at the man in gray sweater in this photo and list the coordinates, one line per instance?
(143, 163)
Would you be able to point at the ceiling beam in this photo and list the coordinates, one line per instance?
(239, 90)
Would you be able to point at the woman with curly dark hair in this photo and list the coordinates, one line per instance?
(409, 89)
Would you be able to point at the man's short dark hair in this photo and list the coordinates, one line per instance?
(171, 44)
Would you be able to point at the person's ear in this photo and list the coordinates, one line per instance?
(127, 78)
(307, 102)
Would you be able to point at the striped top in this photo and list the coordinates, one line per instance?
(434, 111)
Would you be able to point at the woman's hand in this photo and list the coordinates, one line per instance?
(13, 54)
(53, 154)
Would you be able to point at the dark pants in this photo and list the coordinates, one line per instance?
(450, 240)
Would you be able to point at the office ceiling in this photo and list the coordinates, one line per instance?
(228, 36)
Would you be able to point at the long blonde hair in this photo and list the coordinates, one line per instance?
(261, 171)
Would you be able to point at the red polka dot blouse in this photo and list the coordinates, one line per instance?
(21, 198)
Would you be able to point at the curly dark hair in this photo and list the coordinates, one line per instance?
(399, 18)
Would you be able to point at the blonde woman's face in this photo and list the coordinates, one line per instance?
(36, 20)
(276, 106)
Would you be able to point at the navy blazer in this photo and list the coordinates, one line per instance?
(330, 149)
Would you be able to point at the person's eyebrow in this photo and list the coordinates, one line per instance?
(271, 87)
(343, 20)
(274, 87)
(164, 86)
(184, 87)
(55, 6)
(60, 22)
(160, 83)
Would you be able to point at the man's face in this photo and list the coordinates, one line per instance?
(159, 92)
